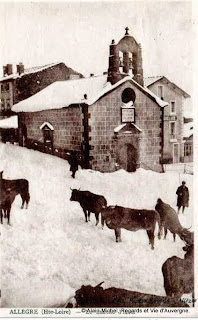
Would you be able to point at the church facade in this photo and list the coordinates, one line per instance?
(112, 120)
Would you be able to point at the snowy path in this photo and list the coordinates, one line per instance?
(49, 251)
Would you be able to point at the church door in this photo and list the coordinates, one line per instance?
(131, 158)
(128, 157)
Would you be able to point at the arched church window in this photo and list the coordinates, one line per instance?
(131, 64)
(121, 64)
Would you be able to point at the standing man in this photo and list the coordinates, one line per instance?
(73, 163)
(182, 197)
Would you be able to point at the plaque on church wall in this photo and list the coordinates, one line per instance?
(128, 115)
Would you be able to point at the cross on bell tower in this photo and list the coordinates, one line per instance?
(127, 31)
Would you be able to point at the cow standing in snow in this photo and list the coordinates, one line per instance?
(179, 273)
(6, 200)
(89, 202)
(117, 217)
(170, 220)
(18, 186)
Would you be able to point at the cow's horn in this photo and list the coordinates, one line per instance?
(98, 285)
(71, 189)
(79, 189)
(186, 229)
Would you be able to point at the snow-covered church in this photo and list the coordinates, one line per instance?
(112, 121)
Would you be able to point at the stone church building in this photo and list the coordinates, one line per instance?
(112, 121)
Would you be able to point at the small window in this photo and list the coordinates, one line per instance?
(3, 105)
(172, 130)
(172, 107)
(188, 150)
(160, 92)
(48, 130)
(7, 87)
(8, 104)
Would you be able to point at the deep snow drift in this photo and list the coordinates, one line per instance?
(49, 251)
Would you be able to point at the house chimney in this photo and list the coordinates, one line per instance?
(20, 68)
(9, 69)
(5, 70)
(113, 70)
(91, 74)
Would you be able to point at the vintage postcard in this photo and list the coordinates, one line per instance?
(96, 159)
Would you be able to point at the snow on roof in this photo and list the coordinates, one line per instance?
(137, 127)
(61, 94)
(188, 129)
(29, 71)
(121, 126)
(41, 68)
(7, 123)
(117, 129)
(156, 98)
(49, 125)
(150, 80)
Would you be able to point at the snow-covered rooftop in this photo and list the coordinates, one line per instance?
(28, 71)
(148, 81)
(61, 94)
(188, 129)
(8, 123)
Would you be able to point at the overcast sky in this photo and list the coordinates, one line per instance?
(79, 34)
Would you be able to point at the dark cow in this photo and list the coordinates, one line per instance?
(97, 297)
(89, 202)
(20, 186)
(6, 200)
(170, 220)
(117, 217)
(179, 274)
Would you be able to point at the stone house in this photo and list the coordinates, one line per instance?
(173, 116)
(111, 120)
(19, 85)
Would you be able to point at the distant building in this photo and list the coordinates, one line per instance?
(173, 116)
(188, 141)
(111, 120)
(20, 85)
(15, 87)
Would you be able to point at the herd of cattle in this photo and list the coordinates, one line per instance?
(178, 273)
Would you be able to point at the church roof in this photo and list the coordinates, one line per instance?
(148, 81)
(62, 94)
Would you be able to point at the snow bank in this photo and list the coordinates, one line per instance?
(49, 251)
(11, 122)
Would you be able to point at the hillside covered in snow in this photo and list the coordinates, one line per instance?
(49, 251)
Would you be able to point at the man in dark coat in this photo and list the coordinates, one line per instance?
(73, 163)
(182, 197)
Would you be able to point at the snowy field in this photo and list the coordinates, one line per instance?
(49, 251)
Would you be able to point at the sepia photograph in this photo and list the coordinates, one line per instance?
(96, 159)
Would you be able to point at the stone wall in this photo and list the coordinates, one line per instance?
(67, 125)
(105, 116)
(102, 118)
